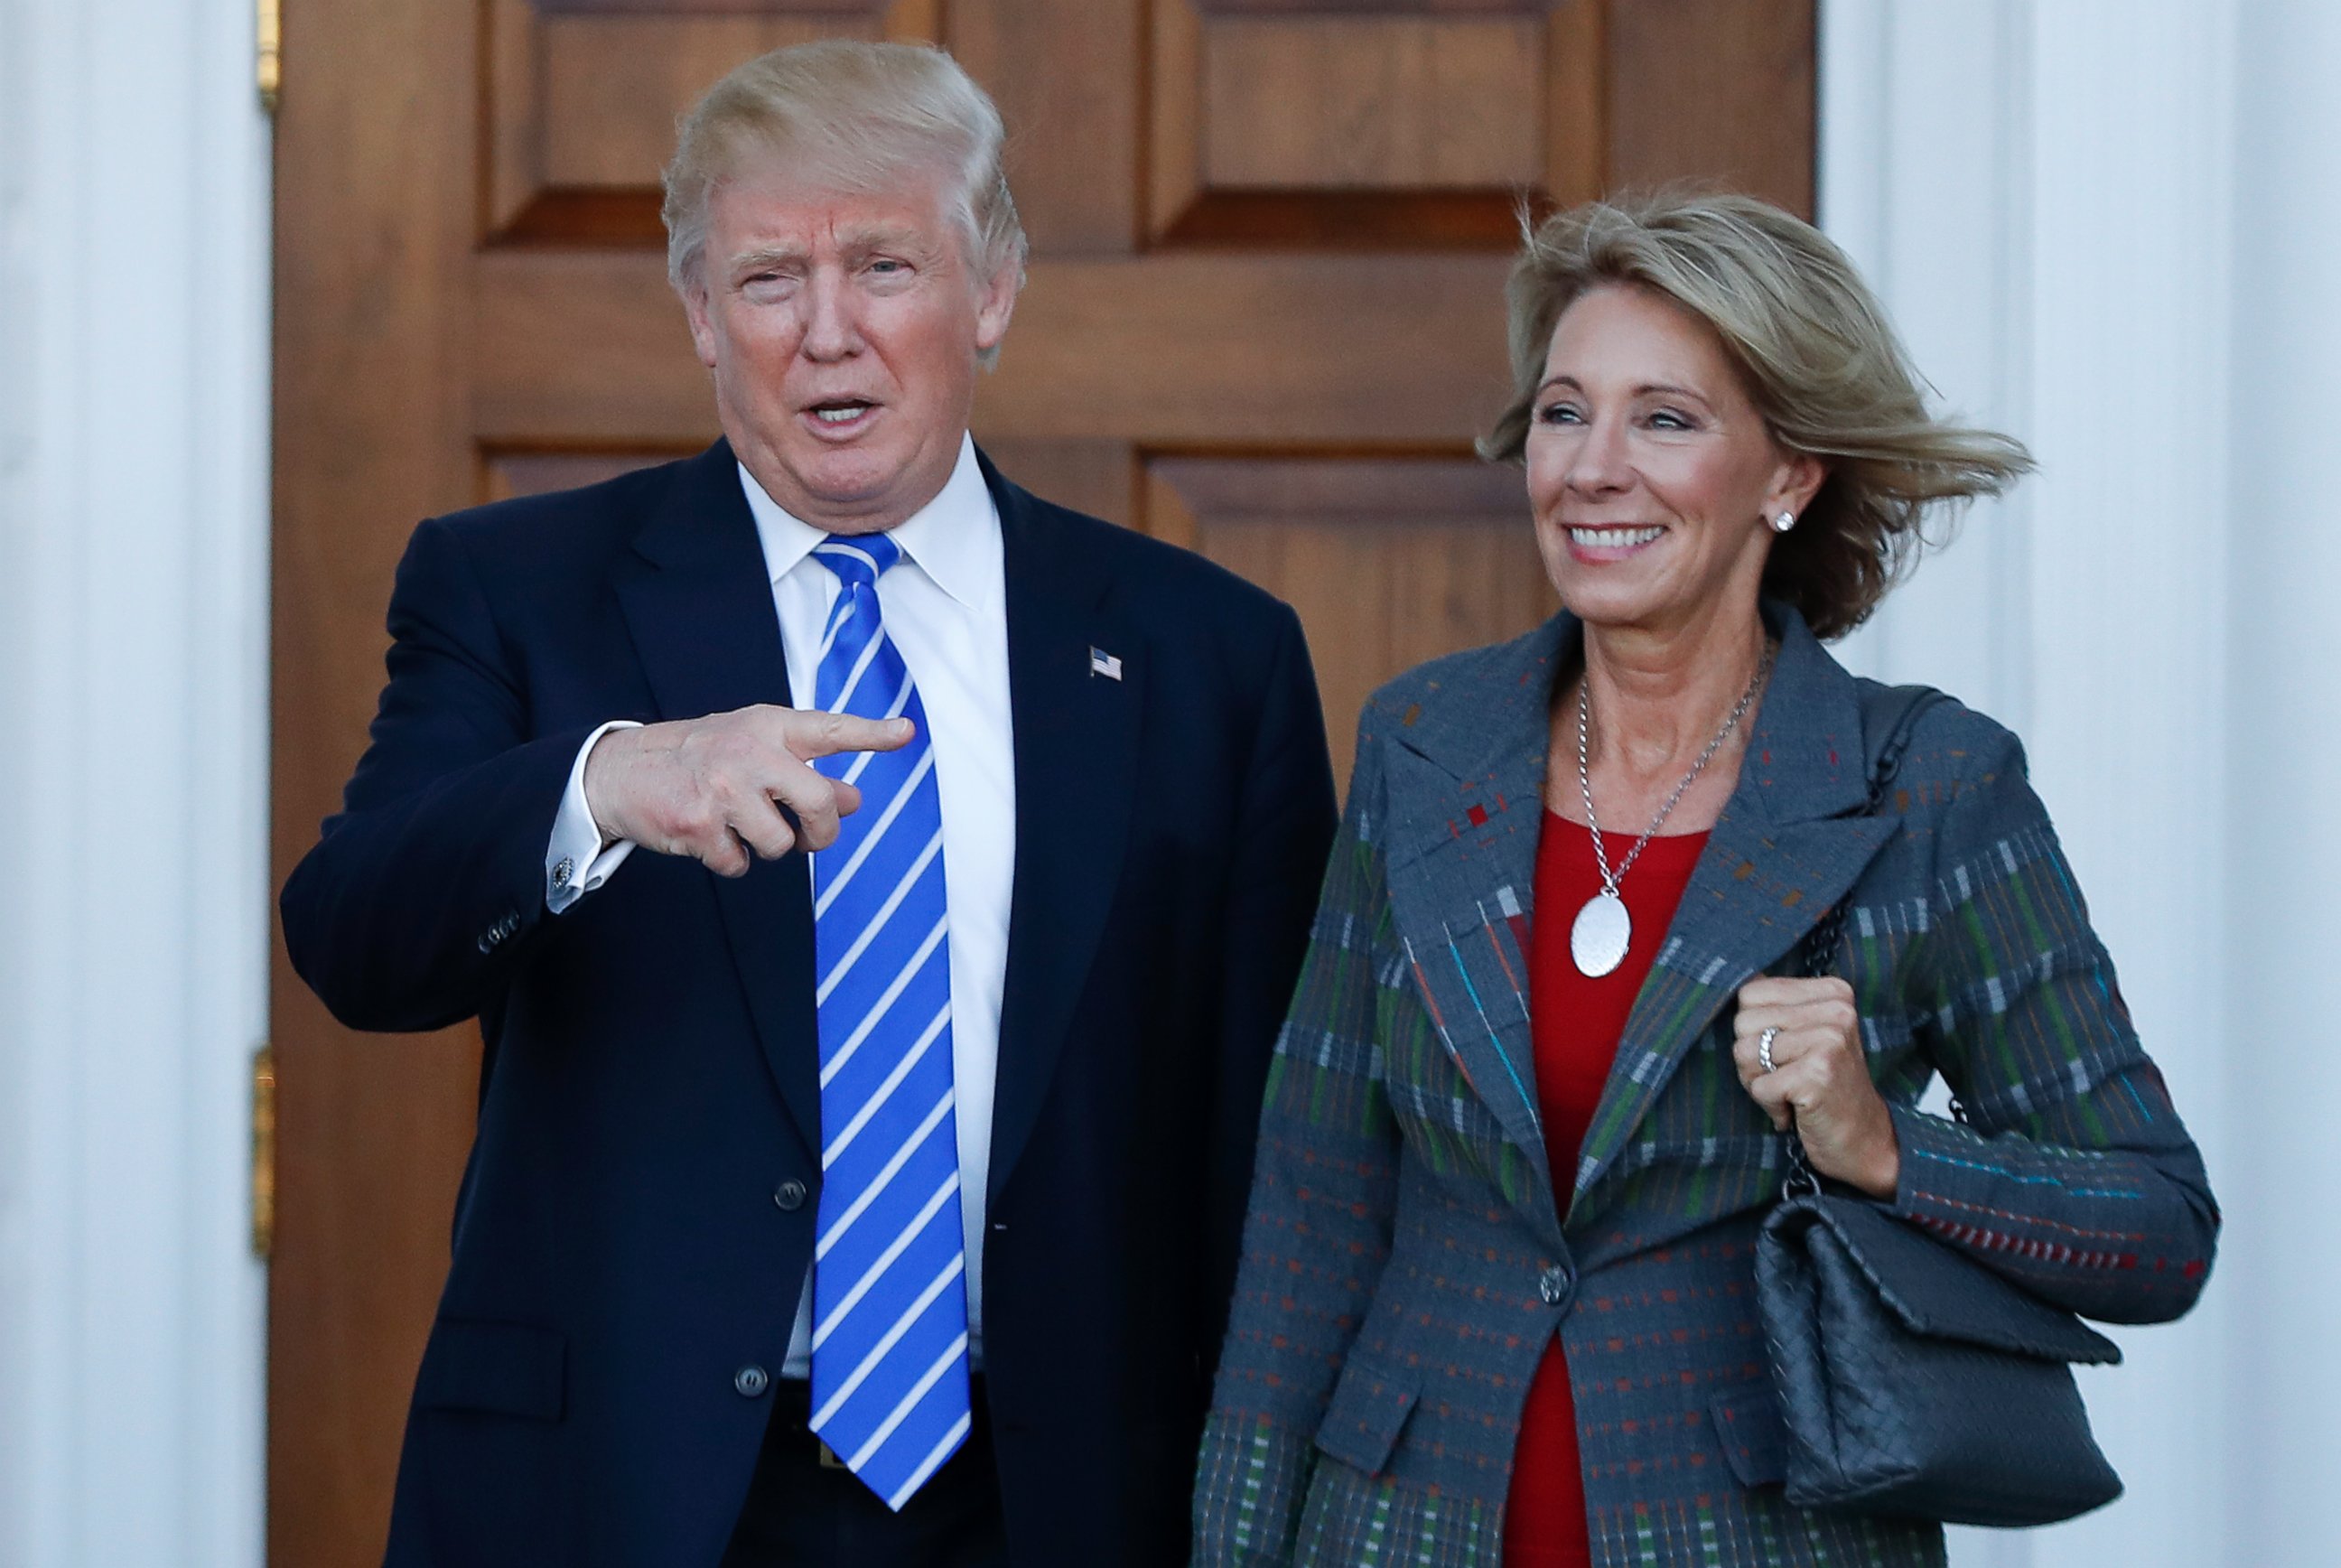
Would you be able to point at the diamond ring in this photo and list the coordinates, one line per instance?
(1764, 1047)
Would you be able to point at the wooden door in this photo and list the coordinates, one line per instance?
(1264, 320)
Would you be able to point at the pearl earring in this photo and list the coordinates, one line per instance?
(1784, 522)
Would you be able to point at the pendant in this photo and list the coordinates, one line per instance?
(1598, 941)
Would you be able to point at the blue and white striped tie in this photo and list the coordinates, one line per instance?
(890, 1378)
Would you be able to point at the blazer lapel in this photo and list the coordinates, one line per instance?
(700, 607)
(1791, 842)
(1076, 750)
(1467, 804)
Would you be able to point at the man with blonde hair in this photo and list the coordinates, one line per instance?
(879, 889)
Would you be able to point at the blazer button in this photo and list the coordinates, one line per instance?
(789, 1196)
(751, 1381)
(1553, 1285)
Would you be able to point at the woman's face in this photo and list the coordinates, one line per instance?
(1650, 473)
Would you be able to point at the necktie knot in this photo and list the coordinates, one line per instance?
(860, 559)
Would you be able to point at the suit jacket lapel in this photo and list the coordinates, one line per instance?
(1790, 843)
(1467, 793)
(700, 607)
(1076, 749)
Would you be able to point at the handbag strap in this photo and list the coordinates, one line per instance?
(1892, 716)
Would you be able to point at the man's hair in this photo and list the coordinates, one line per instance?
(847, 117)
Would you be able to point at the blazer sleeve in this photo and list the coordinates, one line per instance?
(1283, 830)
(1324, 1191)
(427, 887)
(2074, 1176)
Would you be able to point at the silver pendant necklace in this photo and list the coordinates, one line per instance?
(1603, 930)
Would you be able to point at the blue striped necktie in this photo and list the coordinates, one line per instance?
(890, 1378)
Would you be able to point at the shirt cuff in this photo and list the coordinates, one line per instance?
(575, 861)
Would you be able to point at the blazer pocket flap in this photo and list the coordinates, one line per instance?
(1748, 1427)
(495, 1368)
(1370, 1404)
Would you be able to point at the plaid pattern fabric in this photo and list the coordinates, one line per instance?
(1405, 1260)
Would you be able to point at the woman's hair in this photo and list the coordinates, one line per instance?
(848, 116)
(1816, 356)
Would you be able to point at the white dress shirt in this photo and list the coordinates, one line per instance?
(945, 605)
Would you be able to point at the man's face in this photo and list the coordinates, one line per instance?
(842, 331)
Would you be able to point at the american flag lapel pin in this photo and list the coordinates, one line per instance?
(1104, 663)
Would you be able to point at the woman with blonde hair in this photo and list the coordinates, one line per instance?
(1619, 908)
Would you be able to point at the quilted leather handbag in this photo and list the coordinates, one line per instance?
(1912, 1381)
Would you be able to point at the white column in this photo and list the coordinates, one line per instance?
(133, 898)
(2133, 106)
(1925, 169)
(2283, 740)
(2041, 191)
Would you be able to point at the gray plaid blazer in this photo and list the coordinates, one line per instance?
(1408, 1254)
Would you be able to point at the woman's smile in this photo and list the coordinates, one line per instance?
(1593, 543)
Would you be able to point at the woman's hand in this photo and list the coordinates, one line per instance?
(1819, 1078)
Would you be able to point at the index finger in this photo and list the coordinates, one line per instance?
(834, 733)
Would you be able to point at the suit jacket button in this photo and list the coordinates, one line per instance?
(751, 1381)
(1553, 1285)
(789, 1196)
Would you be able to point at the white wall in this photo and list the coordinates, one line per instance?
(134, 899)
(2111, 228)
(2283, 849)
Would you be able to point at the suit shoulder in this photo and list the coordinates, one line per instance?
(1962, 778)
(1429, 682)
(1170, 575)
(1948, 740)
(562, 524)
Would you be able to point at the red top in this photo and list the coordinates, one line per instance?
(1576, 1023)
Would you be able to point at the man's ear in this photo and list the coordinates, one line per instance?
(996, 304)
(703, 328)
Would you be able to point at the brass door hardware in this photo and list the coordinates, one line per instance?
(264, 1153)
(269, 44)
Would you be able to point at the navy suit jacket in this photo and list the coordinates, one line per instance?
(631, 1236)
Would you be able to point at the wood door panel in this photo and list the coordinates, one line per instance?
(610, 86)
(582, 97)
(1353, 8)
(1065, 76)
(1722, 93)
(1392, 103)
(1192, 348)
(377, 1134)
(1394, 127)
(1264, 319)
(507, 473)
(1219, 348)
(703, 8)
(1098, 477)
(1388, 562)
